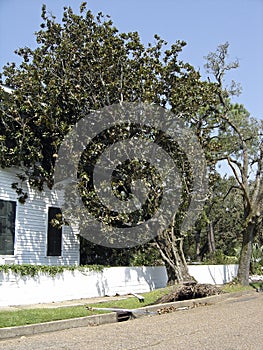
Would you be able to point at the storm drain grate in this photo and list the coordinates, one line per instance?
(124, 316)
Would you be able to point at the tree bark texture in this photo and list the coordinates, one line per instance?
(245, 255)
(171, 250)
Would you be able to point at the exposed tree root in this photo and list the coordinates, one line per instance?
(187, 292)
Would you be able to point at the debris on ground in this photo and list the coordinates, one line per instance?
(172, 308)
(186, 292)
(139, 297)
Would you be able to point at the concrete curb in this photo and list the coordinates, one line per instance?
(195, 302)
(94, 320)
(12, 332)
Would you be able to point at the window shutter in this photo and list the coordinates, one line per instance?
(7, 227)
(54, 235)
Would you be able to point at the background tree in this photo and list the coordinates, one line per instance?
(239, 143)
(217, 235)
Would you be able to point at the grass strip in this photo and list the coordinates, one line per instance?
(39, 315)
(235, 287)
(31, 316)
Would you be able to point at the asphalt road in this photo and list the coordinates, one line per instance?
(234, 324)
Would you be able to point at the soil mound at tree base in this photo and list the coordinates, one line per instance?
(187, 292)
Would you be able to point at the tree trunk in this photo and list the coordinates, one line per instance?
(174, 259)
(245, 255)
(211, 238)
(198, 245)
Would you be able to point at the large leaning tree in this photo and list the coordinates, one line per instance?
(238, 141)
(83, 63)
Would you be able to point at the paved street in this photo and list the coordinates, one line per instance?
(235, 324)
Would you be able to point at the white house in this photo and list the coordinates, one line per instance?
(26, 234)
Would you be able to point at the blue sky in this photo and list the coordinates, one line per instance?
(203, 24)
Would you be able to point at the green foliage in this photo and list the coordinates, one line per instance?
(145, 255)
(81, 65)
(34, 270)
(226, 215)
(256, 265)
(219, 258)
(224, 212)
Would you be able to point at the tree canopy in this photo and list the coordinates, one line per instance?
(83, 64)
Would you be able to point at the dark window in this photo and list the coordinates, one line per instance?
(54, 233)
(7, 227)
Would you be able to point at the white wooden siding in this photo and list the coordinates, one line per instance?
(31, 226)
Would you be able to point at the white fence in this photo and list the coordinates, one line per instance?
(213, 274)
(22, 290)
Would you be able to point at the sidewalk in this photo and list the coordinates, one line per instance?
(66, 303)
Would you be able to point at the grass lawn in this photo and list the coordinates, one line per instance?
(232, 287)
(257, 285)
(30, 316)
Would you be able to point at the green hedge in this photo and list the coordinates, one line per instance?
(33, 270)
